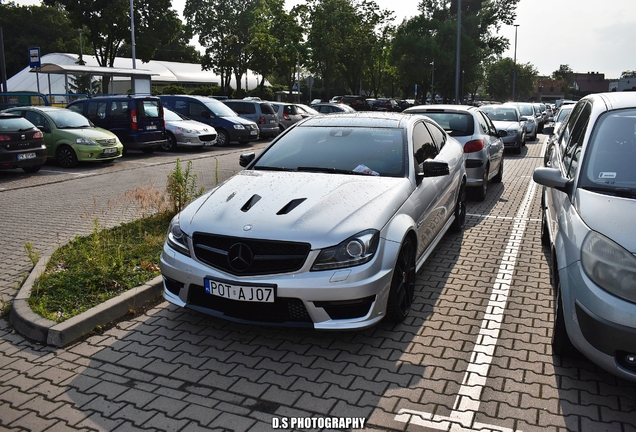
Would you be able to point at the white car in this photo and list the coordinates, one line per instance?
(589, 215)
(325, 228)
(182, 131)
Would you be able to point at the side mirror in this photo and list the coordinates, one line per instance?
(246, 158)
(551, 177)
(523, 119)
(548, 130)
(45, 129)
(433, 168)
(502, 133)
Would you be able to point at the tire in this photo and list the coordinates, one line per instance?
(222, 138)
(66, 157)
(499, 177)
(170, 144)
(561, 343)
(518, 149)
(402, 291)
(480, 192)
(524, 136)
(460, 210)
(32, 169)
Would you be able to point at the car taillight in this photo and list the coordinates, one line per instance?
(133, 119)
(38, 134)
(286, 117)
(261, 120)
(5, 138)
(473, 146)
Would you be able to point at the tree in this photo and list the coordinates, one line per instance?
(499, 81)
(53, 33)
(108, 25)
(565, 73)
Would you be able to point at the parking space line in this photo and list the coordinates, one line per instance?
(483, 216)
(462, 417)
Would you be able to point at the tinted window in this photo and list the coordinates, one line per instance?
(96, 110)
(423, 144)
(37, 119)
(150, 108)
(572, 153)
(119, 110)
(438, 135)
(14, 124)
(267, 108)
(501, 114)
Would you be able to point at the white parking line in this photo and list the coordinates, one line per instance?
(462, 417)
(68, 172)
(483, 216)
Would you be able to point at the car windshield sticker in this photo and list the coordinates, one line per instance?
(607, 175)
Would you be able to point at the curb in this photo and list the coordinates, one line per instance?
(45, 331)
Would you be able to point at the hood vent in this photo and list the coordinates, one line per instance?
(290, 206)
(250, 203)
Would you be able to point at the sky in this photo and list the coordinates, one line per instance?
(586, 35)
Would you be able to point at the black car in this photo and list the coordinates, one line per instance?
(21, 144)
(136, 120)
(386, 104)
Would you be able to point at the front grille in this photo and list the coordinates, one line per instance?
(249, 257)
(283, 310)
(109, 142)
(208, 137)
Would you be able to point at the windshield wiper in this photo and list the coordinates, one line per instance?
(271, 168)
(328, 170)
(618, 191)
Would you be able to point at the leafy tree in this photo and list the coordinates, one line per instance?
(500, 77)
(565, 73)
(179, 50)
(53, 33)
(108, 25)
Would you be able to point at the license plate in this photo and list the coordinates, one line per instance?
(110, 150)
(232, 291)
(25, 156)
(151, 127)
(272, 121)
(208, 143)
(253, 132)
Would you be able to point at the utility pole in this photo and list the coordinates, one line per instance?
(132, 45)
(459, 33)
(432, 82)
(514, 68)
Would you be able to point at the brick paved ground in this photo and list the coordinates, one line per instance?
(176, 370)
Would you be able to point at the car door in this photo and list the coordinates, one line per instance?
(566, 157)
(45, 126)
(494, 144)
(428, 196)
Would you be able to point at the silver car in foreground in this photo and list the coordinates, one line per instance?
(182, 131)
(325, 228)
(483, 145)
(589, 220)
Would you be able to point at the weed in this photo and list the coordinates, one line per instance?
(181, 186)
(34, 256)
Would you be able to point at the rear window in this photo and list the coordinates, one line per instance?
(150, 109)
(242, 107)
(267, 108)
(13, 124)
(501, 114)
(456, 124)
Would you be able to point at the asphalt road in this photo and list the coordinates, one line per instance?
(473, 355)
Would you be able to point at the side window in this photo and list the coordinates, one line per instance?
(96, 110)
(439, 136)
(483, 126)
(195, 109)
(78, 108)
(572, 152)
(489, 124)
(423, 144)
(119, 110)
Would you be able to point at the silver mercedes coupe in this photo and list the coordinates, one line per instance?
(325, 228)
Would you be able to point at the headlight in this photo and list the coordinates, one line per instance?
(356, 250)
(85, 141)
(177, 239)
(184, 130)
(609, 265)
(513, 132)
(238, 126)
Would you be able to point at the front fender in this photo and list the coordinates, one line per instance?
(398, 227)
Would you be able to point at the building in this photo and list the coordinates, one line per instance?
(627, 82)
(591, 82)
(549, 90)
(162, 73)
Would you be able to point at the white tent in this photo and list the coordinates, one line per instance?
(162, 73)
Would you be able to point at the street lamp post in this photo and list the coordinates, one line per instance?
(457, 53)
(514, 68)
(432, 82)
(81, 60)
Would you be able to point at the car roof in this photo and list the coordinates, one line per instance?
(43, 108)
(440, 108)
(615, 100)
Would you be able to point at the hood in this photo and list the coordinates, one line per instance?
(239, 120)
(506, 125)
(190, 124)
(89, 132)
(614, 217)
(321, 209)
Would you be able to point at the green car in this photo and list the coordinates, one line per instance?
(70, 137)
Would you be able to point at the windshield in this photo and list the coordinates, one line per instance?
(171, 115)
(563, 113)
(219, 109)
(11, 124)
(67, 119)
(501, 114)
(610, 155)
(342, 150)
(526, 110)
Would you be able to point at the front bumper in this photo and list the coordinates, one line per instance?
(341, 299)
(600, 325)
(87, 153)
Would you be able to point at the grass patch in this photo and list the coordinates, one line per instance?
(92, 269)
